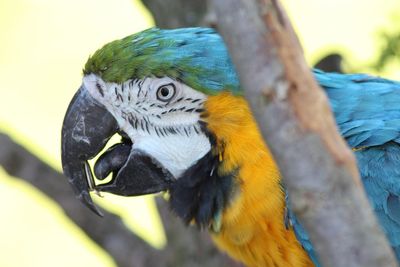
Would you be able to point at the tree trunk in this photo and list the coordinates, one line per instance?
(319, 170)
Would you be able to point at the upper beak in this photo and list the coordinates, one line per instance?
(86, 129)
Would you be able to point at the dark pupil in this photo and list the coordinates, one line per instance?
(164, 91)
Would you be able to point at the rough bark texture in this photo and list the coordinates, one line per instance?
(319, 170)
(186, 246)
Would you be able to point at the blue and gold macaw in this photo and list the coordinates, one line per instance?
(174, 97)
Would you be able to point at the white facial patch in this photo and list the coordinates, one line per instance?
(160, 115)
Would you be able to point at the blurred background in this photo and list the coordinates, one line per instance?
(44, 45)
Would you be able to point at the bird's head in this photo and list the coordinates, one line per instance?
(152, 88)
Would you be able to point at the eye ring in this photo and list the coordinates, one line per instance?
(166, 92)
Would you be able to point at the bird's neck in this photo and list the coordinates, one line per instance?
(253, 228)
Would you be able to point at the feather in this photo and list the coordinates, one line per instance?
(196, 56)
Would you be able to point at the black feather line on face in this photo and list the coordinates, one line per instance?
(201, 192)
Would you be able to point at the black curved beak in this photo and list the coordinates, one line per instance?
(86, 129)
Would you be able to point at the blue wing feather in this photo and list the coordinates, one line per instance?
(367, 112)
(366, 108)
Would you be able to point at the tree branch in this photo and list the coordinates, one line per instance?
(184, 246)
(169, 14)
(293, 114)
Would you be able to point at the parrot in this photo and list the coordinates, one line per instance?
(174, 98)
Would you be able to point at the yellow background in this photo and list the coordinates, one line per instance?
(43, 46)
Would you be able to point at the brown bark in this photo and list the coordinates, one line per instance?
(318, 168)
(186, 246)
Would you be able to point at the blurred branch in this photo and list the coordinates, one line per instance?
(171, 14)
(294, 117)
(185, 244)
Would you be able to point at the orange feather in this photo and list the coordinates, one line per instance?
(253, 229)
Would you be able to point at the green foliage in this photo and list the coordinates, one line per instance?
(390, 50)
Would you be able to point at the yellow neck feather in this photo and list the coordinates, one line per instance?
(253, 229)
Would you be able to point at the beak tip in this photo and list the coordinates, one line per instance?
(88, 202)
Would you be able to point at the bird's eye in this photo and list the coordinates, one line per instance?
(166, 92)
